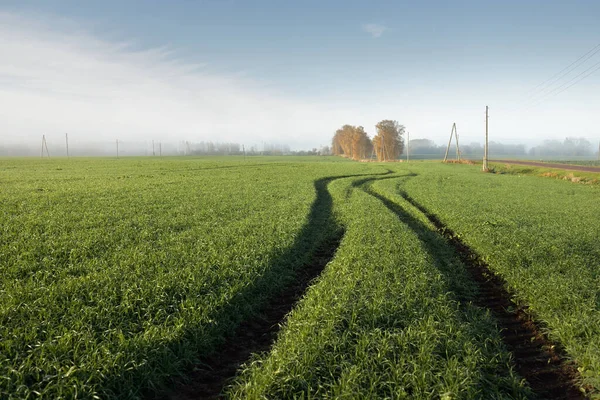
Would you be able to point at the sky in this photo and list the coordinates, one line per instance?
(294, 72)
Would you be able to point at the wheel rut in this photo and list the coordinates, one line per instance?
(211, 378)
(543, 364)
(215, 372)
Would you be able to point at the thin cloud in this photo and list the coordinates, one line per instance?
(375, 30)
(67, 80)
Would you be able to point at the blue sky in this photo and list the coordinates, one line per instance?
(292, 72)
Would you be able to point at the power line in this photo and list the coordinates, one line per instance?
(558, 90)
(564, 72)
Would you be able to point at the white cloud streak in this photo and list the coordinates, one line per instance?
(375, 30)
(54, 81)
(56, 77)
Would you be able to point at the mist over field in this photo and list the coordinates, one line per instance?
(109, 71)
(574, 148)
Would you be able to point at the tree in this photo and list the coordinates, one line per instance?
(351, 141)
(361, 144)
(336, 147)
(425, 148)
(417, 144)
(577, 147)
(388, 142)
(342, 141)
(324, 151)
(571, 147)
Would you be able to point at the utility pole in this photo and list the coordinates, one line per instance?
(453, 132)
(45, 146)
(160, 149)
(485, 149)
(407, 146)
(67, 141)
(117, 148)
(457, 148)
(244, 151)
(449, 142)
(153, 153)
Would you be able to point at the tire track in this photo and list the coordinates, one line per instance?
(543, 364)
(211, 377)
(209, 380)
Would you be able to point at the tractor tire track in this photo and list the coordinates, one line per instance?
(210, 378)
(543, 364)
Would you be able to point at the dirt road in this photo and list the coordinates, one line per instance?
(582, 168)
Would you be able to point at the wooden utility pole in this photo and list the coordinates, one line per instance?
(485, 149)
(45, 146)
(153, 153)
(160, 149)
(117, 148)
(67, 141)
(407, 146)
(457, 147)
(453, 132)
(449, 142)
(244, 151)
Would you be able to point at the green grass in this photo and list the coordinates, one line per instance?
(587, 163)
(389, 318)
(117, 274)
(541, 235)
(547, 172)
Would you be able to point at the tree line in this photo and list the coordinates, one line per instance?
(353, 142)
(569, 147)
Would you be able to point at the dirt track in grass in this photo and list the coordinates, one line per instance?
(543, 364)
(209, 379)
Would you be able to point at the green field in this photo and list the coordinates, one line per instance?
(587, 163)
(118, 275)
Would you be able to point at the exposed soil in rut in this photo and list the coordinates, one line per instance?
(541, 362)
(209, 379)
(214, 373)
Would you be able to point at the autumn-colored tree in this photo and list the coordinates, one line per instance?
(347, 132)
(351, 141)
(361, 144)
(388, 142)
(336, 147)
